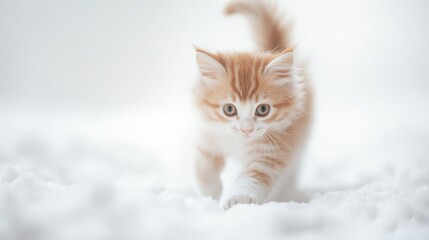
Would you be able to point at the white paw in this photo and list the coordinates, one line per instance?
(233, 200)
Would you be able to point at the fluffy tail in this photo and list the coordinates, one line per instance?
(270, 31)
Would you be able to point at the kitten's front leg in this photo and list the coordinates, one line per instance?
(254, 183)
(208, 166)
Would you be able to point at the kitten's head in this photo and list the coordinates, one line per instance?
(246, 95)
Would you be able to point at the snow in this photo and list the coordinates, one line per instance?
(62, 184)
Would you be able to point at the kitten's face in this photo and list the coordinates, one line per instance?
(245, 95)
(246, 119)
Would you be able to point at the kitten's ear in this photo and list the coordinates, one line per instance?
(210, 68)
(280, 69)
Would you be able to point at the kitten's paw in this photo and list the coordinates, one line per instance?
(233, 200)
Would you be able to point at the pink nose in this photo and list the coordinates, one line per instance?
(246, 130)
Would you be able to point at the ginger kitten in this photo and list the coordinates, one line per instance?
(256, 109)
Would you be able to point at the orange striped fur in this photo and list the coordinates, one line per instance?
(233, 94)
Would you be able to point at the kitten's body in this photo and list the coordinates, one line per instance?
(256, 110)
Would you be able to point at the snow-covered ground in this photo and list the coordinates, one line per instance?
(88, 178)
(96, 123)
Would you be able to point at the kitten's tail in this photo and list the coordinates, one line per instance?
(270, 31)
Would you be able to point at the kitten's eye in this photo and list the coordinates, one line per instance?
(229, 110)
(262, 110)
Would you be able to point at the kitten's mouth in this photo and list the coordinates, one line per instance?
(257, 133)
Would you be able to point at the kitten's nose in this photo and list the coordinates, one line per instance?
(246, 130)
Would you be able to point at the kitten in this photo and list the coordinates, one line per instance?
(256, 110)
